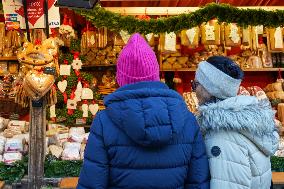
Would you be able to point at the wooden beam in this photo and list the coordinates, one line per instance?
(172, 10)
(2, 184)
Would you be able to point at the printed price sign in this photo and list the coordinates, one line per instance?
(14, 12)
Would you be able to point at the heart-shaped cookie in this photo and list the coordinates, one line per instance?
(62, 85)
(94, 108)
(37, 84)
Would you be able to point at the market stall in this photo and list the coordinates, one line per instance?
(63, 75)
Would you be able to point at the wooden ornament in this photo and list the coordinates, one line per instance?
(87, 94)
(52, 111)
(71, 104)
(85, 109)
(62, 85)
(94, 108)
(65, 69)
(77, 64)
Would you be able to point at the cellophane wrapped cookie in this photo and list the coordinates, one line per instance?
(210, 33)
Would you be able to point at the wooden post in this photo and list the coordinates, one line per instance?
(37, 144)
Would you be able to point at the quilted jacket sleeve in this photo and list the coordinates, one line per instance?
(198, 175)
(95, 170)
(229, 161)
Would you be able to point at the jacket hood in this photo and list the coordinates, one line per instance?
(148, 112)
(245, 114)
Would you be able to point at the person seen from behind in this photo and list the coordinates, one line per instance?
(146, 138)
(239, 131)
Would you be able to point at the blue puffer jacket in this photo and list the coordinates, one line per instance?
(145, 139)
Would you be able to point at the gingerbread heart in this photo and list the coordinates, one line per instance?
(37, 84)
(62, 85)
(94, 108)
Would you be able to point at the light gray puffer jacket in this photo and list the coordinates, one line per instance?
(240, 137)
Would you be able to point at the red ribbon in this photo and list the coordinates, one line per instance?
(86, 85)
(70, 22)
(77, 72)
(65, 97)
(65, 61)
(53, 32)
(85, 101)
(70, 112)
(72, 96)
(76, 55)
(65, 20)
(37, 42)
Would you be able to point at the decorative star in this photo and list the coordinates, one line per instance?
(77, 64)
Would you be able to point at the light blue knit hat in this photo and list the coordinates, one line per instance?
(216, 82)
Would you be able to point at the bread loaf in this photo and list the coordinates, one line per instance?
(280, 112)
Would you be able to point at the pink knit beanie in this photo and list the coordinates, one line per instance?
(137, 62)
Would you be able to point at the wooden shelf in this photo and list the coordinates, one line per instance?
(264, 70)
(245, 70)
(98, 65)
(14, 58)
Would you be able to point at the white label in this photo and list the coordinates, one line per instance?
(278, 36)
(259, 29)
(149, 36)
(191, 34)
(246, 35)
(52, 111)
(209, 32)
(65, 69)
(170, 41)
(124, 35)
(234, 35)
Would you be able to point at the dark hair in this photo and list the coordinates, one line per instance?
(226, 65)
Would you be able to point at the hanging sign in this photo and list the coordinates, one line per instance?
(14, 12)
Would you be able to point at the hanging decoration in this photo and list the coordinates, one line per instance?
(232, 35)
(125, 36)
(62, 85)
(210, 33)
(222, 12)
(74, 101)
(94, 108)
(41, 64)
(275, 39)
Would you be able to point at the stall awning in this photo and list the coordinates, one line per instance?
(186, 3)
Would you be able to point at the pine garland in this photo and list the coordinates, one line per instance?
(223, 12)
